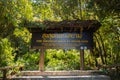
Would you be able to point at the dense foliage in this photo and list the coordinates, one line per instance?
(15, 38)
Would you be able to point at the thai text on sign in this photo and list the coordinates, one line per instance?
(62, 40)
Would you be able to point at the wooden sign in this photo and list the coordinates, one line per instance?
(83, 40)
(68, 34)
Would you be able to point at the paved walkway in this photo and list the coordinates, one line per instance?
(86, 77)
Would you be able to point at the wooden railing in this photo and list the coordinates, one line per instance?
(112, 70)
(114, 66)
(6, 69)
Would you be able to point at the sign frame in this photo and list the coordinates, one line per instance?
(67, 40)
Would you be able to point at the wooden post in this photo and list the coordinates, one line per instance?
(41, 62)
(4, 74)
(81, 59)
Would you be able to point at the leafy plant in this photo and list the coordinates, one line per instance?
(6, 56)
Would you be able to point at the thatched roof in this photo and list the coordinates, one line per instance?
(64, 26)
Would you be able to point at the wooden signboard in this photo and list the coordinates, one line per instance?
(67, 34)
(83, 40)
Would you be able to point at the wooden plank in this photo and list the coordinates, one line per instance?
(62, 73)
(10, 67)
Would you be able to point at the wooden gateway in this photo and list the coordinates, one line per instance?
(67, 34)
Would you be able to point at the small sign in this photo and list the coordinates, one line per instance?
(69, 40)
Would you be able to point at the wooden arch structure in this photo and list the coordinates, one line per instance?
(67, 34)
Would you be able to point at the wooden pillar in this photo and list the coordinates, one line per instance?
(41, 62)
(4, 74)
(81, 59)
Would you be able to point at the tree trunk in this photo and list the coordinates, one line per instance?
(100, 50)
(103, 47)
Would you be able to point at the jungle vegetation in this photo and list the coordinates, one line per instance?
(15, 38)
